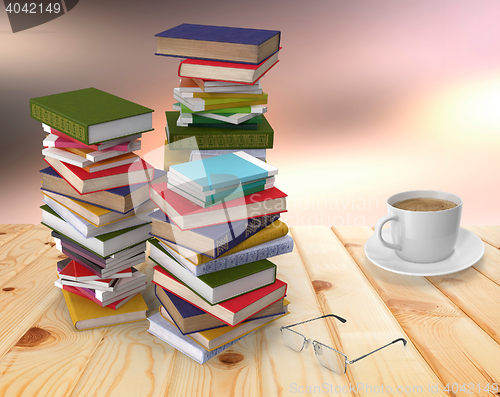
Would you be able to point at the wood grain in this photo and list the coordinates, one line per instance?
(20, 252)
(50, 357)
(489, 234)
(26, 297)
(456, 348)
(9, 232)
(369, 325)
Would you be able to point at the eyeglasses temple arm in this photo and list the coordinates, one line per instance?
(317, 318)
(380, 348)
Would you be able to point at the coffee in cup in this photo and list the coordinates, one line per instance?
(424, 224)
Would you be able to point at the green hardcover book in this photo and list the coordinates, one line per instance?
(193, 120)
(215, 138)
(219, 286)
(91, 115)
(241, 109)
(208, 104)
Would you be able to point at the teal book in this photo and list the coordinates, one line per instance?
(216, 138)
(91, 115)
(219, 172)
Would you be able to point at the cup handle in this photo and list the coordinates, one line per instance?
(378, 231)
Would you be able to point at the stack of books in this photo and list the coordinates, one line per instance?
(96, 194)
(219, 213)
(220, 101)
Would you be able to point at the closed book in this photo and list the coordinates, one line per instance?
(187, 215)
(214, 338)
(212, 138)
(260, 109)
(219, 286)
(103, 261)
(209, 104)
(228, 118)
(188, 318)
(201, 94)
(212, 241)
(205, 122)
(101, 272)
(218, 43)
(226, 171)
(105, 244)
(226, 71)
(82, 292)
(86, 228)
(64, 141)
(84, 182)
(204, 154)
(205, 265)
(71, 269)
(122, 199)
(85, 314)
(98, 216)
(232, 311)
(91, 115)
(169, 333)
(209, 198)
(226, 86)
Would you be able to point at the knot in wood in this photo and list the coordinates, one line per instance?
(8, 289)
(320, 285)
(231, 358)
(33, 337)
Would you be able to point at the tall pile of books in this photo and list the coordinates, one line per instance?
(96, 194)
(219, 219)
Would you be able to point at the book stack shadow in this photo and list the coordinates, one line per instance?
(218, 224)
(96, 195)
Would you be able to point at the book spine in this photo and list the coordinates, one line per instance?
(264, 251)
(60, 123)
(228, 241)
(222, 141)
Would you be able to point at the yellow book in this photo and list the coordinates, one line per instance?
(213, 338)
(273, 231)
(86, 314)
(97, 216)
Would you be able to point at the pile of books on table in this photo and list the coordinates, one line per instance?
(219, 214)
(96, 194)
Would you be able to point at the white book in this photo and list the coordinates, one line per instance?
(269, 249)
(66, 157)
(123, 287)
(217, 294)
(203, 154)
(171, 335)
(96, 244)
(104, 154)
(219, 83)
(86, 228)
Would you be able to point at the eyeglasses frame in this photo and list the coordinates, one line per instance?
(315, 342)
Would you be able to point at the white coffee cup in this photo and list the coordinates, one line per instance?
(421, 236)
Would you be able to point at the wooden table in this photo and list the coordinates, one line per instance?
(452, 324)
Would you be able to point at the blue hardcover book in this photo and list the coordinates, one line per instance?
(219, 43)
(169, 333)
(189, 318)
(223, 172)
(121, 199)
(212, 241)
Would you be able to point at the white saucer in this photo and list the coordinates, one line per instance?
(469, 250)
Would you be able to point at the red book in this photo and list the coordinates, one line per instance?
(85, 182)
(226, 71)
(101, 146)
(187, 215)
(85, 294)
(232, 311)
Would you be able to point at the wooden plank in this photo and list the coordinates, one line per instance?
(55, 367)
(489, 234)
(26, 297)
(49, 358)
(489, 265)
(8, 232)
(284, 371)
(370, 325)
(454, 346)
(22, 251)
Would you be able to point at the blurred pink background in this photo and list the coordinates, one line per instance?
(369, 97)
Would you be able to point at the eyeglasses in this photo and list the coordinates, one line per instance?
(327, 356)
